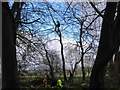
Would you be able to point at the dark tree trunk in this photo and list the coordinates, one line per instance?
(9, 62)
(82, 64)
(62, 53)
(113, 71)
(82, 53)
(83, 70)
(63, 59)
(115, 77)
(50, 66)
(57, 29)
(107, 46)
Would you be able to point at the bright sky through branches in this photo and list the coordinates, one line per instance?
(61, 0)
(70, 17)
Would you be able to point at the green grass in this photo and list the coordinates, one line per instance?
(26, 82)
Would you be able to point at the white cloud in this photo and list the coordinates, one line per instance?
(55, 44)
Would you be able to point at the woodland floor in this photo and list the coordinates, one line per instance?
(26, 82)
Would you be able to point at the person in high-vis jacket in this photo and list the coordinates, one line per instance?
(59, 83)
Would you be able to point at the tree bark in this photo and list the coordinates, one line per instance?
(63, 59)
(107, 47)
(9, 62)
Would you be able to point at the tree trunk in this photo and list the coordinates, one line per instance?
(82, 53)
(62, 54)
(9, 62)
(107, 47)
(83, 70)
(50, 66)
(82, 64)
(113, 71)
(63, 59)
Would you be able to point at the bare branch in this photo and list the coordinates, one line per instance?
(29, 22)
(99, 13)
(96, 9)
(67, 7)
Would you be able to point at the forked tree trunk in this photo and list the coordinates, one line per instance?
(49, 63)
(107, 46)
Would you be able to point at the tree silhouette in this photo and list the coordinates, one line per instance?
(108, 45)
(9, 63)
